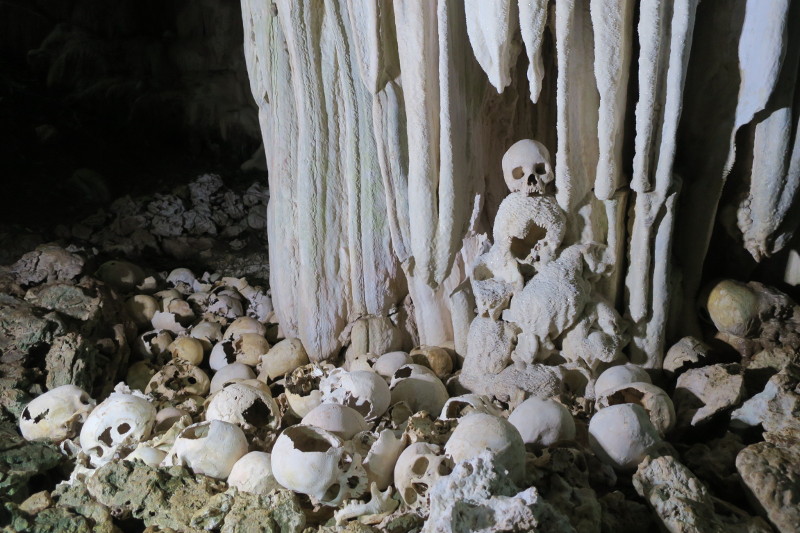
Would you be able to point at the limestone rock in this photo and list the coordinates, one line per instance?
(683, 503)
(772, 477)
(48, 263)
(714, 462)
(477, 498)
(702, 393)
(777, 406)
(177, 499)
(622, 515)
(766, 364)
(20, 461)
(562, 477)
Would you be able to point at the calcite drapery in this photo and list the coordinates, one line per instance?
(384, 139)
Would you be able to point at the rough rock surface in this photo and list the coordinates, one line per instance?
(772, 477)
(20, 461)
(683, 503)
(777, 407)
(177, 499)
(714, 462)
(477, 498)
(702, 393)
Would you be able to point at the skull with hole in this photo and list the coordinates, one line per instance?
(251, 409)
(315, 462)
(55, 415)
(527, 169)
(529, 230)
(120, 421)
(363, 390)
(342, 421)
(418, 468)
(381, 451)
(302, 387)
(178, 380)
(460, 406)
(209, 448)
(479, 431)
(419, 387)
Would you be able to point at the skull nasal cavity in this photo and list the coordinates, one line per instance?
(105, 437)
(257, 414)
(539, 168)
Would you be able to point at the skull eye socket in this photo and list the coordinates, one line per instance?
(517, 173)
(444, 468)
(123, 428)
(420, 466)
(539, 168)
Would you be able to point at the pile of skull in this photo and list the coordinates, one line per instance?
(217, 389)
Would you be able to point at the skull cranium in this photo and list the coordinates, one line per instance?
(527, 169)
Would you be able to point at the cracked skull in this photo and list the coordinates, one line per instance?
(527, 169)
(419, 467)
(55, 415)
(317, 463)
(251, 409)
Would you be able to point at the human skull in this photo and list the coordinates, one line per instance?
(251, 409)
(141, 308)
(207, 332)
(619, 375)
(253, 473)
(434, 357)
(418, 468)
(542, 422)
(249, 348)
(187, 349)
(315, 462)
(479, 431)
(222, 354)
(419, 387)
(230, 374)
(282, 358)
(182, 279)
(363, 390)
(121, 420)
(342, 421)
(381, 452)
(209, 448)
(527, 169)
(178, 380)
(460, 406)
(387, 364)
(148, 455)
(302, 387)
(653, 399)
(154, 344)
(243, 325)
(56, 414)
(622, 435)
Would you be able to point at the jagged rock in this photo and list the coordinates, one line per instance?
(20, 461)
(177, 499)
(48, 263)
(776, 407)
(766, 364)
(684, 504)
(562, 477)
(702, 393)
(772, 477)
(55, 520)
(477, 498)
(715, 463)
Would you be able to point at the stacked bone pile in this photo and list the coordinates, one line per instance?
(181, 224)
(543, 425)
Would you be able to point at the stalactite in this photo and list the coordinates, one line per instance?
(384, 132)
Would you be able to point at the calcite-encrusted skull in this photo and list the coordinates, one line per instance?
(418, 468)
(315, 462)
(363, 390)
(177, 380)
(527, 169)
(120, 420)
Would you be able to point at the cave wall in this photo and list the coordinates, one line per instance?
(385, 123)
(141, 93)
